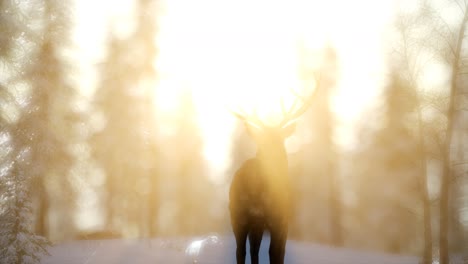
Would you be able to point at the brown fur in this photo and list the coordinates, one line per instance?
(259, 198)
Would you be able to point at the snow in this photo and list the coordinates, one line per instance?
(207, 250)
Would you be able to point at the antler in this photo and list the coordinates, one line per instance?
(298, 108)
(251, 119)
(294, 112)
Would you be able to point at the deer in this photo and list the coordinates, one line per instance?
(260, 190)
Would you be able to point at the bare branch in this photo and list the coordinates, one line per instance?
(440, 18)
(461, 163)
(446, 39)
(460, 6)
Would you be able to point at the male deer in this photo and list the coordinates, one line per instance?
(259, 196)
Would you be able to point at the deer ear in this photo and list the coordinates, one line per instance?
(287, 130)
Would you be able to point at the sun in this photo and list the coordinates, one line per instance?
(230, 56)
(239, 54)
(249, 55)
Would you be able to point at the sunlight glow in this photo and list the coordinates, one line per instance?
(247, 55)
(233, 55)
(194, 249)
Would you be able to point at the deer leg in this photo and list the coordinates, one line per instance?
(240, 232)
(255, 239)
(277, 245)
(282, 249)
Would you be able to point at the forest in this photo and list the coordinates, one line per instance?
(116, 121)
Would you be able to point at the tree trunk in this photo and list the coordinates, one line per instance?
(427, 251)
(447, 171)
(444, 214)
(335, 210)
(427, 254)
(110, 208)
(42, 227)
(152, 211)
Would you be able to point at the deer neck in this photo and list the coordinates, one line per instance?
(273, 166)
(273, 162)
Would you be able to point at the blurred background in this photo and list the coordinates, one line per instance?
(115, 117)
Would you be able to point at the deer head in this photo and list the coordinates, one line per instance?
(269, 139)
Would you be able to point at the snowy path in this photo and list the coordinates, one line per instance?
(208, 250)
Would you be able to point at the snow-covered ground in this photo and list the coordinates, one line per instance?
(206, 250)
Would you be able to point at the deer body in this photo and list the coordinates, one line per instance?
(259, 197)
(259, 201)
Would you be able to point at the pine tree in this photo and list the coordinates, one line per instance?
(19, 244)
(317, 177)
(52, 113)
(193, 184)
(125, 147)
(387, 174)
